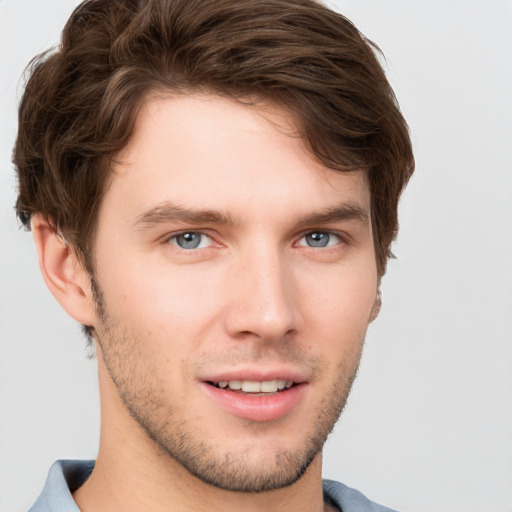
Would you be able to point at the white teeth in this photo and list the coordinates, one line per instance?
(268, 386)
(252, 386)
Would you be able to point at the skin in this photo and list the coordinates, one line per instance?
(257, 296)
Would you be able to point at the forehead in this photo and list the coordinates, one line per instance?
(211, 152)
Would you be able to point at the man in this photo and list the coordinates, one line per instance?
(212, 188)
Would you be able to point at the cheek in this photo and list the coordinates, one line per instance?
(341, 298)
(336, 316)
(158, 300)
(166, 302)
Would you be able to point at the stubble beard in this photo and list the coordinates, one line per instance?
(143, 395)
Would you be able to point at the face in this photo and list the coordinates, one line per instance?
(235, 279)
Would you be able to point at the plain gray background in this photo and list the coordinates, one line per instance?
(429, 424)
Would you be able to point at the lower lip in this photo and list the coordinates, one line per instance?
(257, 407)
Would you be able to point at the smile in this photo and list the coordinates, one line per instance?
(256, 400)
(253, 386)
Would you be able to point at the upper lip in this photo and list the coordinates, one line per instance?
(256, 374)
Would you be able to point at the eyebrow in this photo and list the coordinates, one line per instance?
(342, 212)
(168, 212)
(171, 212)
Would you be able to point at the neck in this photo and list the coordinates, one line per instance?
(120, 482)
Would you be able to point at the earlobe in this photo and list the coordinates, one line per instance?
(63, 273)
(376, 306)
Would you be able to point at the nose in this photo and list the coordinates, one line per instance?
(263, 297)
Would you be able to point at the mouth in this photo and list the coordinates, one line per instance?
(265, 399)
(254, 387)
(257, 394)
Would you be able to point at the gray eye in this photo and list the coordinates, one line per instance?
(188, 240)
(318, 239)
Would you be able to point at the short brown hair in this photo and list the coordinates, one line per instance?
(81, 101)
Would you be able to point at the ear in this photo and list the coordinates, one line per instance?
(376, 306)
(64, 275)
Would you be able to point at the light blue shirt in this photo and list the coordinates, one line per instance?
(66, 476)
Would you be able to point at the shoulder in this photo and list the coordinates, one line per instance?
(348, 499)
(64, 477)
